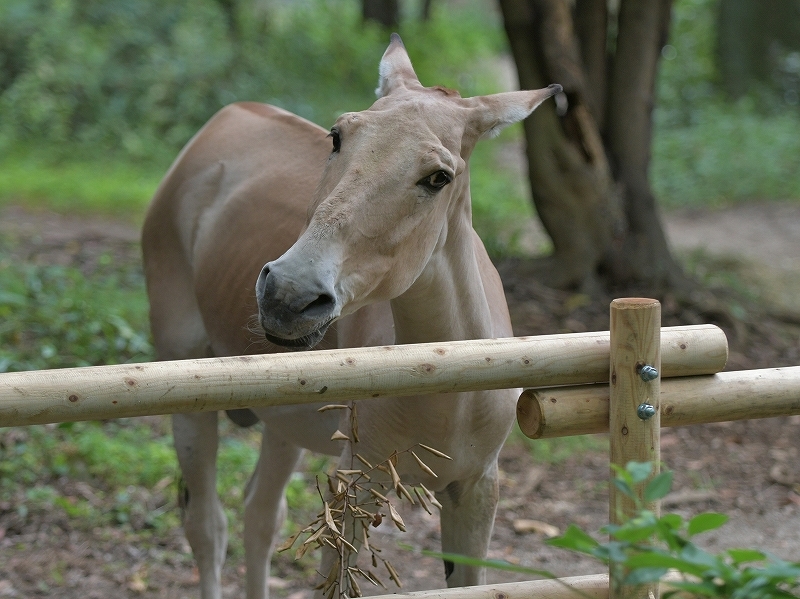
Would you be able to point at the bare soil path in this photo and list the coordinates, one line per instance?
(749, 470)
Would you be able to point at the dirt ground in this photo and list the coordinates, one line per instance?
(749, 470)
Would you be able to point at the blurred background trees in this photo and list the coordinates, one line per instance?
(708, 88)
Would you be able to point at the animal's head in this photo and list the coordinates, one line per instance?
(395, 187)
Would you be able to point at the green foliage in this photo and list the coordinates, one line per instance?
(707, 150)
(85, 183)
(54, 317)
(732, 153)
(645, 547)
(117, 472)
(141, 77)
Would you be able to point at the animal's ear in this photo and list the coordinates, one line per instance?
(493, 113)
(395, 69)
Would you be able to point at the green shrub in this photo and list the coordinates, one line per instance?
(644, 548)
(54, 317)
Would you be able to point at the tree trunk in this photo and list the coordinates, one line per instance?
(385, 12)
(643, 30)
(588, 160)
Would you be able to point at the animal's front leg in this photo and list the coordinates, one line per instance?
(195, 438)
(468, 511)
(265, 509)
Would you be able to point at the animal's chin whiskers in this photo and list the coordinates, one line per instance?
(261, 342)
(255, 336)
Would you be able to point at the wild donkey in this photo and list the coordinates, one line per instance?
(385, 254)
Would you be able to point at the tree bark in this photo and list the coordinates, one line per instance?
(570, 178)
(588, 164)
(591, 23)
(385, 12)
(643, 29)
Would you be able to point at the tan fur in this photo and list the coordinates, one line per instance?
(377, 253)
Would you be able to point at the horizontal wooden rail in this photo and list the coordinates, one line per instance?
(593, 586)
(739, 395)
(100, 392)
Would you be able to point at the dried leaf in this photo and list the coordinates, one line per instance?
(348, 544)
(431, 497)
(339, 436)
(350, 472)
(342, 477)
(289, 542)
(394, 475)
(354, 423)
(522, 526)
(301, 551)
(329, 520)
(398, 521)
(367, 576)
(331, 486)
(331, 591)
(327, 541)
(332, 576)
(353, 583)
(361, 459)
(401, 490)
(374, 576)
(314, 536)
(422, 501)
(424, 466)
(393, 574)
(333, 406)
(435, 452)
(377, 495)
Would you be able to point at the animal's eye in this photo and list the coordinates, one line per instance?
(435, 181)
(337, 139)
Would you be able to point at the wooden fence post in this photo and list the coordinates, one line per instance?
(634, 419)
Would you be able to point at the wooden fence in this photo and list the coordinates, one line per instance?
(632, 402)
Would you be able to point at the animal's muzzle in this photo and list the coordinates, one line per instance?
(293, 312)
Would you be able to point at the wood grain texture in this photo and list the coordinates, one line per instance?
(635, 342)
(739, 395)
(101, 392)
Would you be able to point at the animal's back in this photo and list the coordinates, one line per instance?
(235, 198)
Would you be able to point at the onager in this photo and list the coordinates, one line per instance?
(367, 237)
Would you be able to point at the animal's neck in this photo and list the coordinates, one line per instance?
(448, 301)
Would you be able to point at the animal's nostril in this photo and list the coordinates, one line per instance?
(323, 302)
(261, 282)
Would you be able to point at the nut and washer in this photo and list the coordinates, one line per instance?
(645, 411)
(647, 373)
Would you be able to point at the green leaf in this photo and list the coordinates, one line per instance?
(702, 589)
(706, 521)
(694, 555)
(746, 555)
(644, 575)
(624, 487)
(658, 487)
(657, 559)
(575, 539)
(639, 471)
(637, 529)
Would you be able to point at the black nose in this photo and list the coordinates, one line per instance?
(304, 298)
